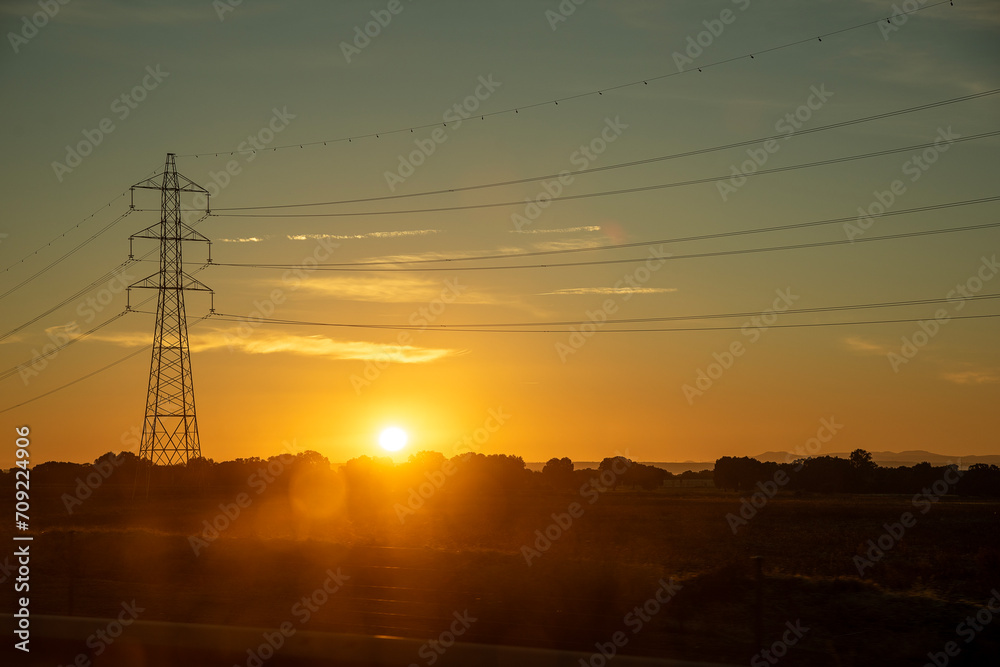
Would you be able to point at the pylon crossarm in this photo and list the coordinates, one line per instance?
(194, 285)
(189, 234)
(149, 282)
(154, 231)
(188, 186)
(151, 232)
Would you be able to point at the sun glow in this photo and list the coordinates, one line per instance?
(393, 439)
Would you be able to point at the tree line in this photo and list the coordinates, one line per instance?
(856, 474)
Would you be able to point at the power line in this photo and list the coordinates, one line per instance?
(669, 329)
(70, 229)
(107, 276)
(588, 195)
(600, 91)
(66, 255)
(638, 244)
(79, 379)
(14, 370)
(632, 260)
(732, 328)
(56, 238)
(620, 165)
(88, 375)
(638, 320)
(30, 362)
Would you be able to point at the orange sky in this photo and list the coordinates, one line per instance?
(260, 386)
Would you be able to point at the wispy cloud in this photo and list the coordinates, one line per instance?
(861, 345)
(565, 230)
(918, 67)
(249, 239)
(438, 255)
(314, 346)
(568, 244)
(318, 346)
(378, 288)
(367, 235)
(609, 290)
(973, 377)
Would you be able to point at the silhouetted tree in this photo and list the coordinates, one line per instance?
(863, 468)
(980, 479)
(558, 472)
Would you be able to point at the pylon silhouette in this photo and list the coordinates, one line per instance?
(170, 427)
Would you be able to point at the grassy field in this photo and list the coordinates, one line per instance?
(408, 578)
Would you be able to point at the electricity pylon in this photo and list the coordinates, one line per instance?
(170, 428)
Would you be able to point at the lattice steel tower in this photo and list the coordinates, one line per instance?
(170, 429)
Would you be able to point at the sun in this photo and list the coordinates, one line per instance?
(393, 439)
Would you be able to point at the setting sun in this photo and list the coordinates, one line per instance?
(392, 439)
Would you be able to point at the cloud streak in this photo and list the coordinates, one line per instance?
(565, 230)
(861, 345)
(973, 377)
(609, 290)
(367, 235)
(312, 346)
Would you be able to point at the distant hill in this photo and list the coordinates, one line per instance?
(886, 459)
(896, 459)
(675, 468)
